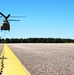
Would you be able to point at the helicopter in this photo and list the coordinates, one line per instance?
(5, 25)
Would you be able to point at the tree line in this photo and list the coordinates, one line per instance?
(36, 40)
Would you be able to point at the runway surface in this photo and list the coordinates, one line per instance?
(9, 64)
(1, 47)
(45, 59)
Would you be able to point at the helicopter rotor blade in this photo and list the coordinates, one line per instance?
(18, 16)
(2, 14)
(13, 20)
(1, 19)
(8, 16)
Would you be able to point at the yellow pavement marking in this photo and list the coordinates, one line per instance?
(10, 65)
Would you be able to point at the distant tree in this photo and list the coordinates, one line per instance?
(36, 40)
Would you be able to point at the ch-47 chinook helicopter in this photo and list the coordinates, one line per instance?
(5, 25)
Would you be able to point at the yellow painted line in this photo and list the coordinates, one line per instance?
(11, 64)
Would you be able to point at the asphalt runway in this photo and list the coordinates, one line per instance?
(1, 47)
(45, 59)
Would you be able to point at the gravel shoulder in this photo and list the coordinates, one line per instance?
(45, 59)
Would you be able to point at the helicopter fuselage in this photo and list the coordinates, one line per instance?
(5, 25)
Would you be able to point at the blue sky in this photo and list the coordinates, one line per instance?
(45, 18)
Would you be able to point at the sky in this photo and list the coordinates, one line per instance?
(45, 18)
